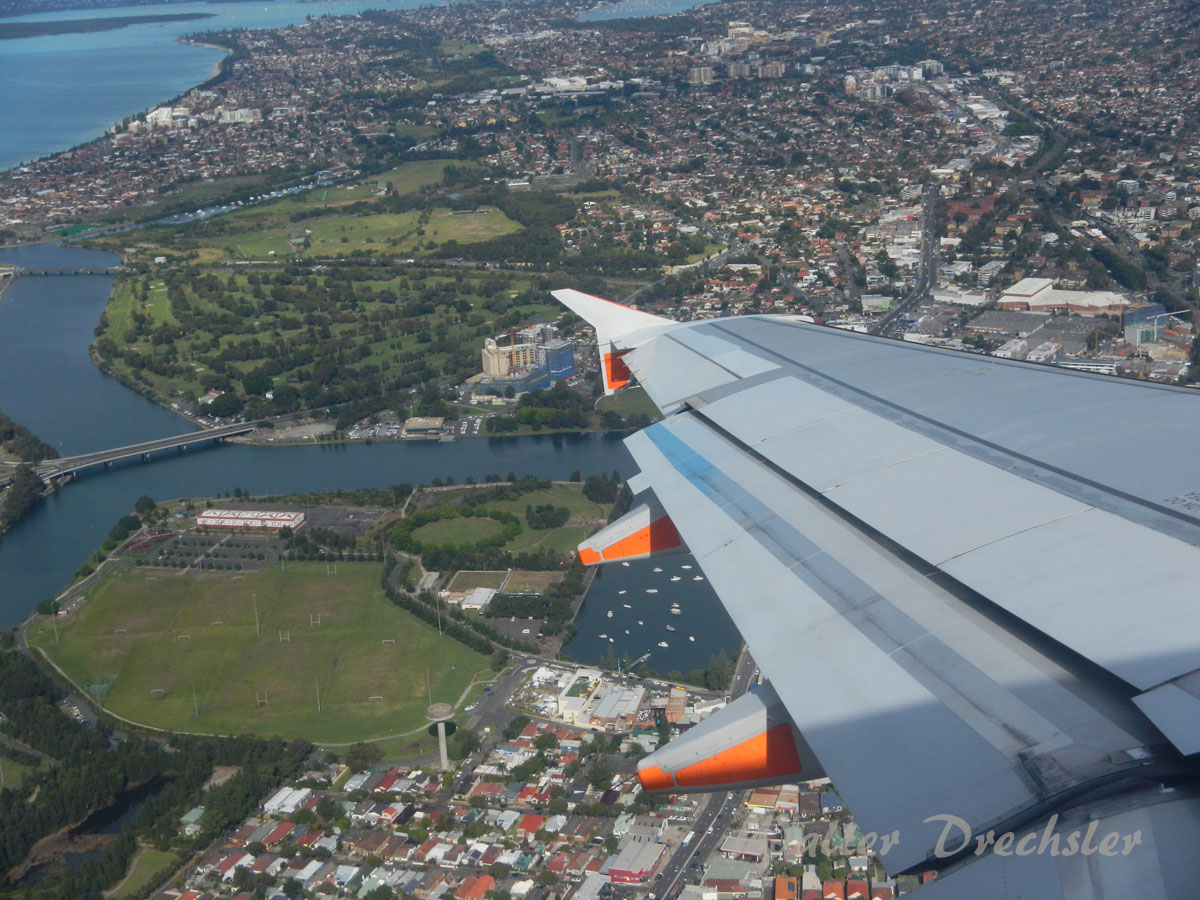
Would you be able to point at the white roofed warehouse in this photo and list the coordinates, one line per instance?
(253, 519)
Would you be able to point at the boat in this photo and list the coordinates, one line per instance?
(697, 578)
(640, 622)
(603, 635)
(675, 578)
(627, 631)
(627, 606)
(620, 592)
(651, 590)
(611, 641)
(676, 611)
(610, 613)
(663, 644)
(625, 564)
(692, 638)
(670, 628)
(657, 568)
(685, 567)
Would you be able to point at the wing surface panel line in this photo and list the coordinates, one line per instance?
(885, 625)
(971, 443)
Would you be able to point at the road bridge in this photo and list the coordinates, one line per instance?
(51, 469)
(92, 270)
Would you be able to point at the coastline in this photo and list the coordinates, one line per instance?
(216, 67)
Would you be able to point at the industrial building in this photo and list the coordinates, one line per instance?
(636, 862)
(1040, 295)
(261, 520)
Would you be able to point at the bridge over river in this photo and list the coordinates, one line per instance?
(65, 466)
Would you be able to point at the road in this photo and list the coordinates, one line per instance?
(716, 814)
(927, 267)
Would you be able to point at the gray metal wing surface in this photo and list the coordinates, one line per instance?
(967, 579)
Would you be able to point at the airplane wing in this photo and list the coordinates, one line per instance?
(968, 580)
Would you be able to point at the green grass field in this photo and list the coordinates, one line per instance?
(14, 772)
(456, 531)
(411, 177)
(466, 581)
(141, 633)
(630, 402)
(564, 540)
(148, 863)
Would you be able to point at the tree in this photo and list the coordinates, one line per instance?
(25, 490)
(143, 505)
(363, 756)
(515, 726)
(328, 809)
(228, 404)
(600, 775)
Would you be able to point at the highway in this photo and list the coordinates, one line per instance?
(927, 268)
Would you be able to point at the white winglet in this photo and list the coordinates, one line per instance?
(618, 330)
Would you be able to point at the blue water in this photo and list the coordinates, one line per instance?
(58, 91)
(701, 617)
(635, 9)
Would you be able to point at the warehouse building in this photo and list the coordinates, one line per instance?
(636, 862)
(260, 520)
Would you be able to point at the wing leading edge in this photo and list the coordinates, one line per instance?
(894, 575)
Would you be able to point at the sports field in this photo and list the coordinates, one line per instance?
(466, 581)
(159, 648)
(457, 532)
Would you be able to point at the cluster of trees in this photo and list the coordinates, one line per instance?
(601, 488)
(546, 516)
(1122, 270)
(558, 407)
(92, 773)
(25, 491)
(23, 443)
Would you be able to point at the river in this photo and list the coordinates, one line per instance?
(68, 88)
(48, 382)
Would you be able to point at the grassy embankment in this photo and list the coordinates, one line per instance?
(156, 647)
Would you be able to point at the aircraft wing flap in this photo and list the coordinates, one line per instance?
(783, 608)
(995, 524)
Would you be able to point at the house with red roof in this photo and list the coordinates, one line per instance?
(534, 796)
(833, 890)
(278, 833)
(857, 889)
(424, 850)
(488, 790)
(475, 887)
(529, 825)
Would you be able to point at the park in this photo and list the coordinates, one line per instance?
(304, 650)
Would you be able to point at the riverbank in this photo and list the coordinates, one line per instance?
(216, 66)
